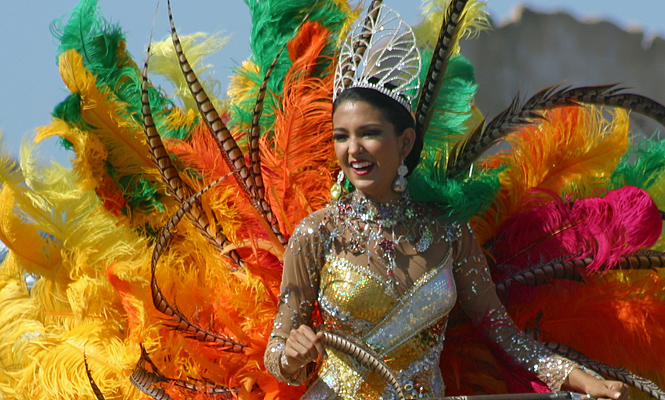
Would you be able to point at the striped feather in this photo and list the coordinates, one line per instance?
(178, 320)
(98, 393)
(228, 147)
(254, 153)
(365, 356)
(545, 273)
(469, 149)
(153, 382)
(147, 381)
(171, 177)
(360, 46)
(449, 33)
(247, 179)
(564, 268)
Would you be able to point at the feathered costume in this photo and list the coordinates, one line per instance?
(106, 293)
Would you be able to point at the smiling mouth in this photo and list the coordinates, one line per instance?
(362, 167)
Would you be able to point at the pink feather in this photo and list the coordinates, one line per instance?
(605, 228)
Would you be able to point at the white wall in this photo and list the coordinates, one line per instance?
(540, 50)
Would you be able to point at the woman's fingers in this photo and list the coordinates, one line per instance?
(610, 390)
(600, 389)
(620, 388)
(304, 345)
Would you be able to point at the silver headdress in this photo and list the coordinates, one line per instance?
(380, 53)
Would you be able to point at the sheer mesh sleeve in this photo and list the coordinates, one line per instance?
(300, 280)
(478, 298)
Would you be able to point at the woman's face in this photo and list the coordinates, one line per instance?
(368, 148)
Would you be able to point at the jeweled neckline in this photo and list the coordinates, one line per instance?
(387, 214)
(377, 229)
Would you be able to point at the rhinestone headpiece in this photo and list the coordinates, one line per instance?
(389, 62)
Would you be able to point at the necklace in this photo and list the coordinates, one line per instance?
(377, 229)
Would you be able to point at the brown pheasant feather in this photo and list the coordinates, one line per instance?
(573, 269)
(178, 319)
(171, 177)
(254, 153)
(448, 34)
(469, 149)
(361, 46)
(98, 393)
(247, 179)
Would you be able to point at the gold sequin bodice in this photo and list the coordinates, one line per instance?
(405, 330)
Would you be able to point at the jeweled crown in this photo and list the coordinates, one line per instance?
(380, 53)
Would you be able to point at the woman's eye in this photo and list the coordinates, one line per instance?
(373, 132)
(339, 137)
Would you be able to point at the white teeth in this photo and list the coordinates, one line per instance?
(360, 164)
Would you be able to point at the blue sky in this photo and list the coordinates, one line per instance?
(30, 85)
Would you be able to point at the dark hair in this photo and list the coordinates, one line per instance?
(395, 113)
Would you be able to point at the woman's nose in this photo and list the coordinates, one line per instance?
(355, 147)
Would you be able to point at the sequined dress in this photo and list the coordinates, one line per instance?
(389, 275)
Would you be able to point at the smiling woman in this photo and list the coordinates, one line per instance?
(369, 146)
(271, 271)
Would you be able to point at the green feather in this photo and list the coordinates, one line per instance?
(273, 24)
(641, 166)
(102, 46)
(460, 198)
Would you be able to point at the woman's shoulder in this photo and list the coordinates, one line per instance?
(313, 229)
(314, 220)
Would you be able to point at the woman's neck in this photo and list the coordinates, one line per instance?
(382, 199)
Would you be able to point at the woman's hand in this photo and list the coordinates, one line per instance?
(580, 381)
(302, 347)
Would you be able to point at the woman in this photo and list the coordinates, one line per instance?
(387, 270)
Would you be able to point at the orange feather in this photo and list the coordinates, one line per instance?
(573, 151)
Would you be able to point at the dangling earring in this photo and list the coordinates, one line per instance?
(337, 189)
(400, 183)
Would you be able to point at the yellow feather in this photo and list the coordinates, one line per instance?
(657, 193)
(23, 239)
(197, 46)
(58, 230)
(114, 142)
(106, 115)
(474, 21)
(90, 150)
(352, 14)
(242, 88)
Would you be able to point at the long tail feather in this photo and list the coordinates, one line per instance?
(179, 321)
(228, 147)
(360, 46)
(171, 176)
(98, 393)
(470, 149)
(437, 69)
(565, 268)
(225, 141)
(254, 154)
(149, 382)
